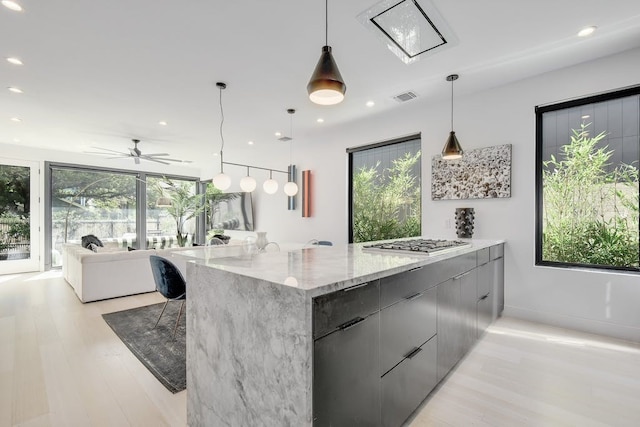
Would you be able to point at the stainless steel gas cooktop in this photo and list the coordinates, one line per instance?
(419, 246)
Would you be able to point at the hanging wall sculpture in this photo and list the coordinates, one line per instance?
(482, 173)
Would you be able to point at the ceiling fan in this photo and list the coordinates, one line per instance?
(136, 154)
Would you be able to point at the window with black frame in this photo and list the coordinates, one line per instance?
(385, 186)
(587, 159)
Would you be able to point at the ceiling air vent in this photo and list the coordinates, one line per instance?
(404, 97)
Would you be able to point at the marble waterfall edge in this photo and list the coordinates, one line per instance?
(249, 351)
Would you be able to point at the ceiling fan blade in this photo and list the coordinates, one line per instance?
(151, 159)
(109, 150)
(123, 156)
(157, 154)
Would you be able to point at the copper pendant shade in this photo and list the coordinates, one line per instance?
(452, 149)
(326, 86)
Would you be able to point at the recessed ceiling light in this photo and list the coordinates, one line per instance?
(14, 61)
(216, 154)
(370, 104)
(586, 31)
(586, 116)
(162, 123)
(250, 142)
(16, 119)
(15, 89)
(16, 139)
(12, 5)
(320, 120)
(278, 134)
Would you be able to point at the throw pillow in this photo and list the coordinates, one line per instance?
(90, 238)
(93, 247)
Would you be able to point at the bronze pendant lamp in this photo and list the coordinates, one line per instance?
(326, 86)
(452, 149)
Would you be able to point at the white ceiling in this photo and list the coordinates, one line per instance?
(98, 73)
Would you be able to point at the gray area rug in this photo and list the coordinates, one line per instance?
(157, 349)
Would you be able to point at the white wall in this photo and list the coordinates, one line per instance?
(601, 302)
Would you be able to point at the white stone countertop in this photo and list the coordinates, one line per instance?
(318, 269)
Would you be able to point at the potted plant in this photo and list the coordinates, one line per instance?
(184, 205)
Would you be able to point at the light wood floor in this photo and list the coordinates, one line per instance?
(61, 365)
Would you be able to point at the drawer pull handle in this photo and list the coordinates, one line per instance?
(414, 296)
(459, 276)
(413, 352)
(355, 287)
(415, 269)
(351, 323)
(484, 297)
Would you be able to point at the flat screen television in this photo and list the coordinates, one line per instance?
(231, 211)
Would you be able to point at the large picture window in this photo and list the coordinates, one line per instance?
(385, 190)
(124, 209)
(587, 159)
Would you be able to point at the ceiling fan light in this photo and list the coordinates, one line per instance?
(248, 184)
(270, 186)
(326, 86)
(452, 149)
(222, 181)
(291, 189)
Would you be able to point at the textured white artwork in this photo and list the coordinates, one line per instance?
(482, 173)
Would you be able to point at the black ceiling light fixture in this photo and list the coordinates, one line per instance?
(452, 149)
(326, 86)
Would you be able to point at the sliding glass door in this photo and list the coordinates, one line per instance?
(91, 202)
(19, 209)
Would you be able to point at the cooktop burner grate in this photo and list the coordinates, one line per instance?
(421, 246)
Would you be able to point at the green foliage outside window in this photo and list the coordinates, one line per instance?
(590, 209)
(387, 204)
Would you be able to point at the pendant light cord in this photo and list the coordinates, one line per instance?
(452, 105)
(221, 134)
(326, 22)
(291, 141)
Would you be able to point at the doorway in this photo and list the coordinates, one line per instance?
(19, 216)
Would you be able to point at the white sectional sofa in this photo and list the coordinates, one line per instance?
(110, 272)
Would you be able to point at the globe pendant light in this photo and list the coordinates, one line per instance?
(452, 149)
(270, 186)
(221, 181)
(248, 183)
(291, 188)
(326, 86)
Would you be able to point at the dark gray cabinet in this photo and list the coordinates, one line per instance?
(346, 357)
(405, 326)
(449, 326)
(406, 385)
(469, 311)
(381, 347)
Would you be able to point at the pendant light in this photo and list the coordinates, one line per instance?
(291, 188)
(270, 186)
(326, 86)
(248, 183)
(221, 181)
(452, 149)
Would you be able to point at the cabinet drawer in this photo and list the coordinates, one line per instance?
(485, 279)
(405, 326)
(496, 251)
(337, 309)
(346, 384)
(404, 387)
(400, 286)
(483, 256)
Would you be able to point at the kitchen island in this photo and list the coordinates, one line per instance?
(278, 339)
